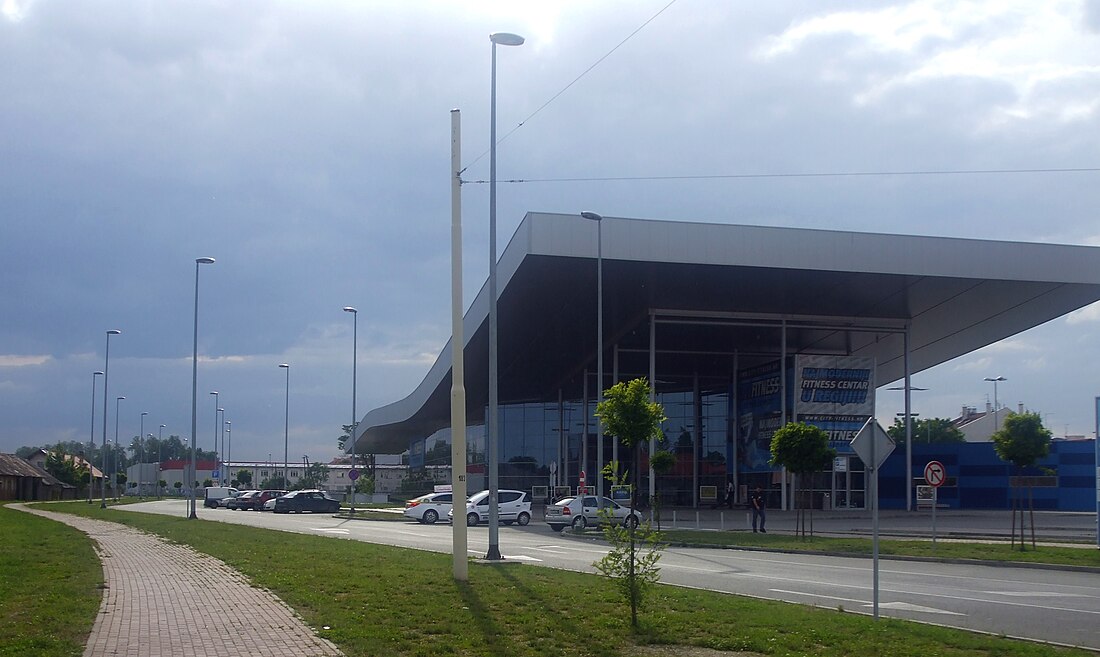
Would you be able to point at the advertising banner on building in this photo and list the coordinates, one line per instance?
(836, 393)
(759, 406)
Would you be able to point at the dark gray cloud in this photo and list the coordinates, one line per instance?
(306, 148)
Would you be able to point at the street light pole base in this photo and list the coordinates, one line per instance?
(493, 554)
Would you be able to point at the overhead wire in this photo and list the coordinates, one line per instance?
(567, 87)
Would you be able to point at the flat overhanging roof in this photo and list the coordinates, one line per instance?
(723, 293)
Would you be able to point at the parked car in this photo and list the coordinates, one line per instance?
(257, 501)
(428, 508)
(297, 501)
(213, 495)
(270, 504)
(242, 501)
(512, 506)
(582, 511)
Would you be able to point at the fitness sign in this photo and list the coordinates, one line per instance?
(835, 393)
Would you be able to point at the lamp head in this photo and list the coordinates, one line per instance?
(163, 426)
(506, 39)
(113, 332)
(285, 365)
(349, 309)
(97, 374)
(204, 261)
(995, 378)
(144, 413)
(119, 398)
(592, 216)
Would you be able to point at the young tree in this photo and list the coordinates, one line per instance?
(662, 462)
(1022, 441)
(178, 485)
(244, 477)
(803, 449)
(628, 415)
(276, 482)
(313, 476)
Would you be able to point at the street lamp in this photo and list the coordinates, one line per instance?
(286, 429)
(996, 415)
(103, 456)
(114, 455)
(223, 463)
(592, 216)
(227, 426)
(91, 481)
(195, 386)
(216, 409)
(219, 432)
(502, 39)
(141, 447)
(354, 379)
(160, 446)
(908, 446)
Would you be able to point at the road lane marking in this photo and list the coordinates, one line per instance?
(907, 606)
(331, 530)
(1035, 594)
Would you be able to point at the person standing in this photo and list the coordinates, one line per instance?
(729, 494)
(756, 501)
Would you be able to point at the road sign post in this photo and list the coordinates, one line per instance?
(873, 445)
(934, 475)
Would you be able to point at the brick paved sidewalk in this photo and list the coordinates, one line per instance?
(166, 600)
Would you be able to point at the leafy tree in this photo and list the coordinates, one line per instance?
(276, 482)
(345, 436)
(26, 451)
(178, 485)
(932, 430)
(244, 477)
(364, 485)
(662, 461)
(1022, 441)
(803, 449)
(628, 415)
(313, 476)
(62, 466)
(207, 483)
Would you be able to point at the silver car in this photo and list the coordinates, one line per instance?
(580, 512)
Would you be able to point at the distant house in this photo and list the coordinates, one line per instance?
(38, 459)
(979, 427)
(22, 480)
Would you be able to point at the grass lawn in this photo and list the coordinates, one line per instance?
(379, 600)
(50, 586)
(1086, 555)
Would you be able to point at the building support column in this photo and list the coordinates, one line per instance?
(696, 437)
(908, 428)
(652, 398)
(783, 409)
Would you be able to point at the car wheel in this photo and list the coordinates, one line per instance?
(580, 522)
(471, 519)
(557, 528)
(430, 517)
(523, 519)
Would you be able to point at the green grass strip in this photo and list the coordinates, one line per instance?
(380, 600)
(1085, 555)
(50, 586)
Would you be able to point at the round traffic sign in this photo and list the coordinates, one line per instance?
(353, 474)
(935, 474)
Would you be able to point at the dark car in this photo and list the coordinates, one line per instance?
(242, 501)
(256, 502)
(315, 501)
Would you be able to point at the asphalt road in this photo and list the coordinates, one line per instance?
(1043, 604)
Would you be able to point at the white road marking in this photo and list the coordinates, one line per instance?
(1034, 594)
(331, 530)
(906, 606)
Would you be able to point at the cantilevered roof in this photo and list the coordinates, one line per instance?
(719, 293)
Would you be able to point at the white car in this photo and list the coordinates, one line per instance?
(580, 512)
(269, 505)
(512, 506)
(428, 508)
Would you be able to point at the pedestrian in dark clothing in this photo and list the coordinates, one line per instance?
(758, 510)
(729, 494)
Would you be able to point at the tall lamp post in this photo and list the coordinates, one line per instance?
(228, 427)
(91, 480)
(286, 428)
(141, 447)
(354, 379)
(222, 462)
(114, 454)
(216, 427)
(218, 447)
(996, 414)
(502, 39)
(908, 444)
(103, 456)
(195, 387)
(160, 446)
(592, 216)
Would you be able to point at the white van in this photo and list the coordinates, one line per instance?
(214, 494)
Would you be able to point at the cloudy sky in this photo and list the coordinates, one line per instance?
(306, 147)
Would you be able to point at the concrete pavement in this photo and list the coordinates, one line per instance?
(166, 600)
